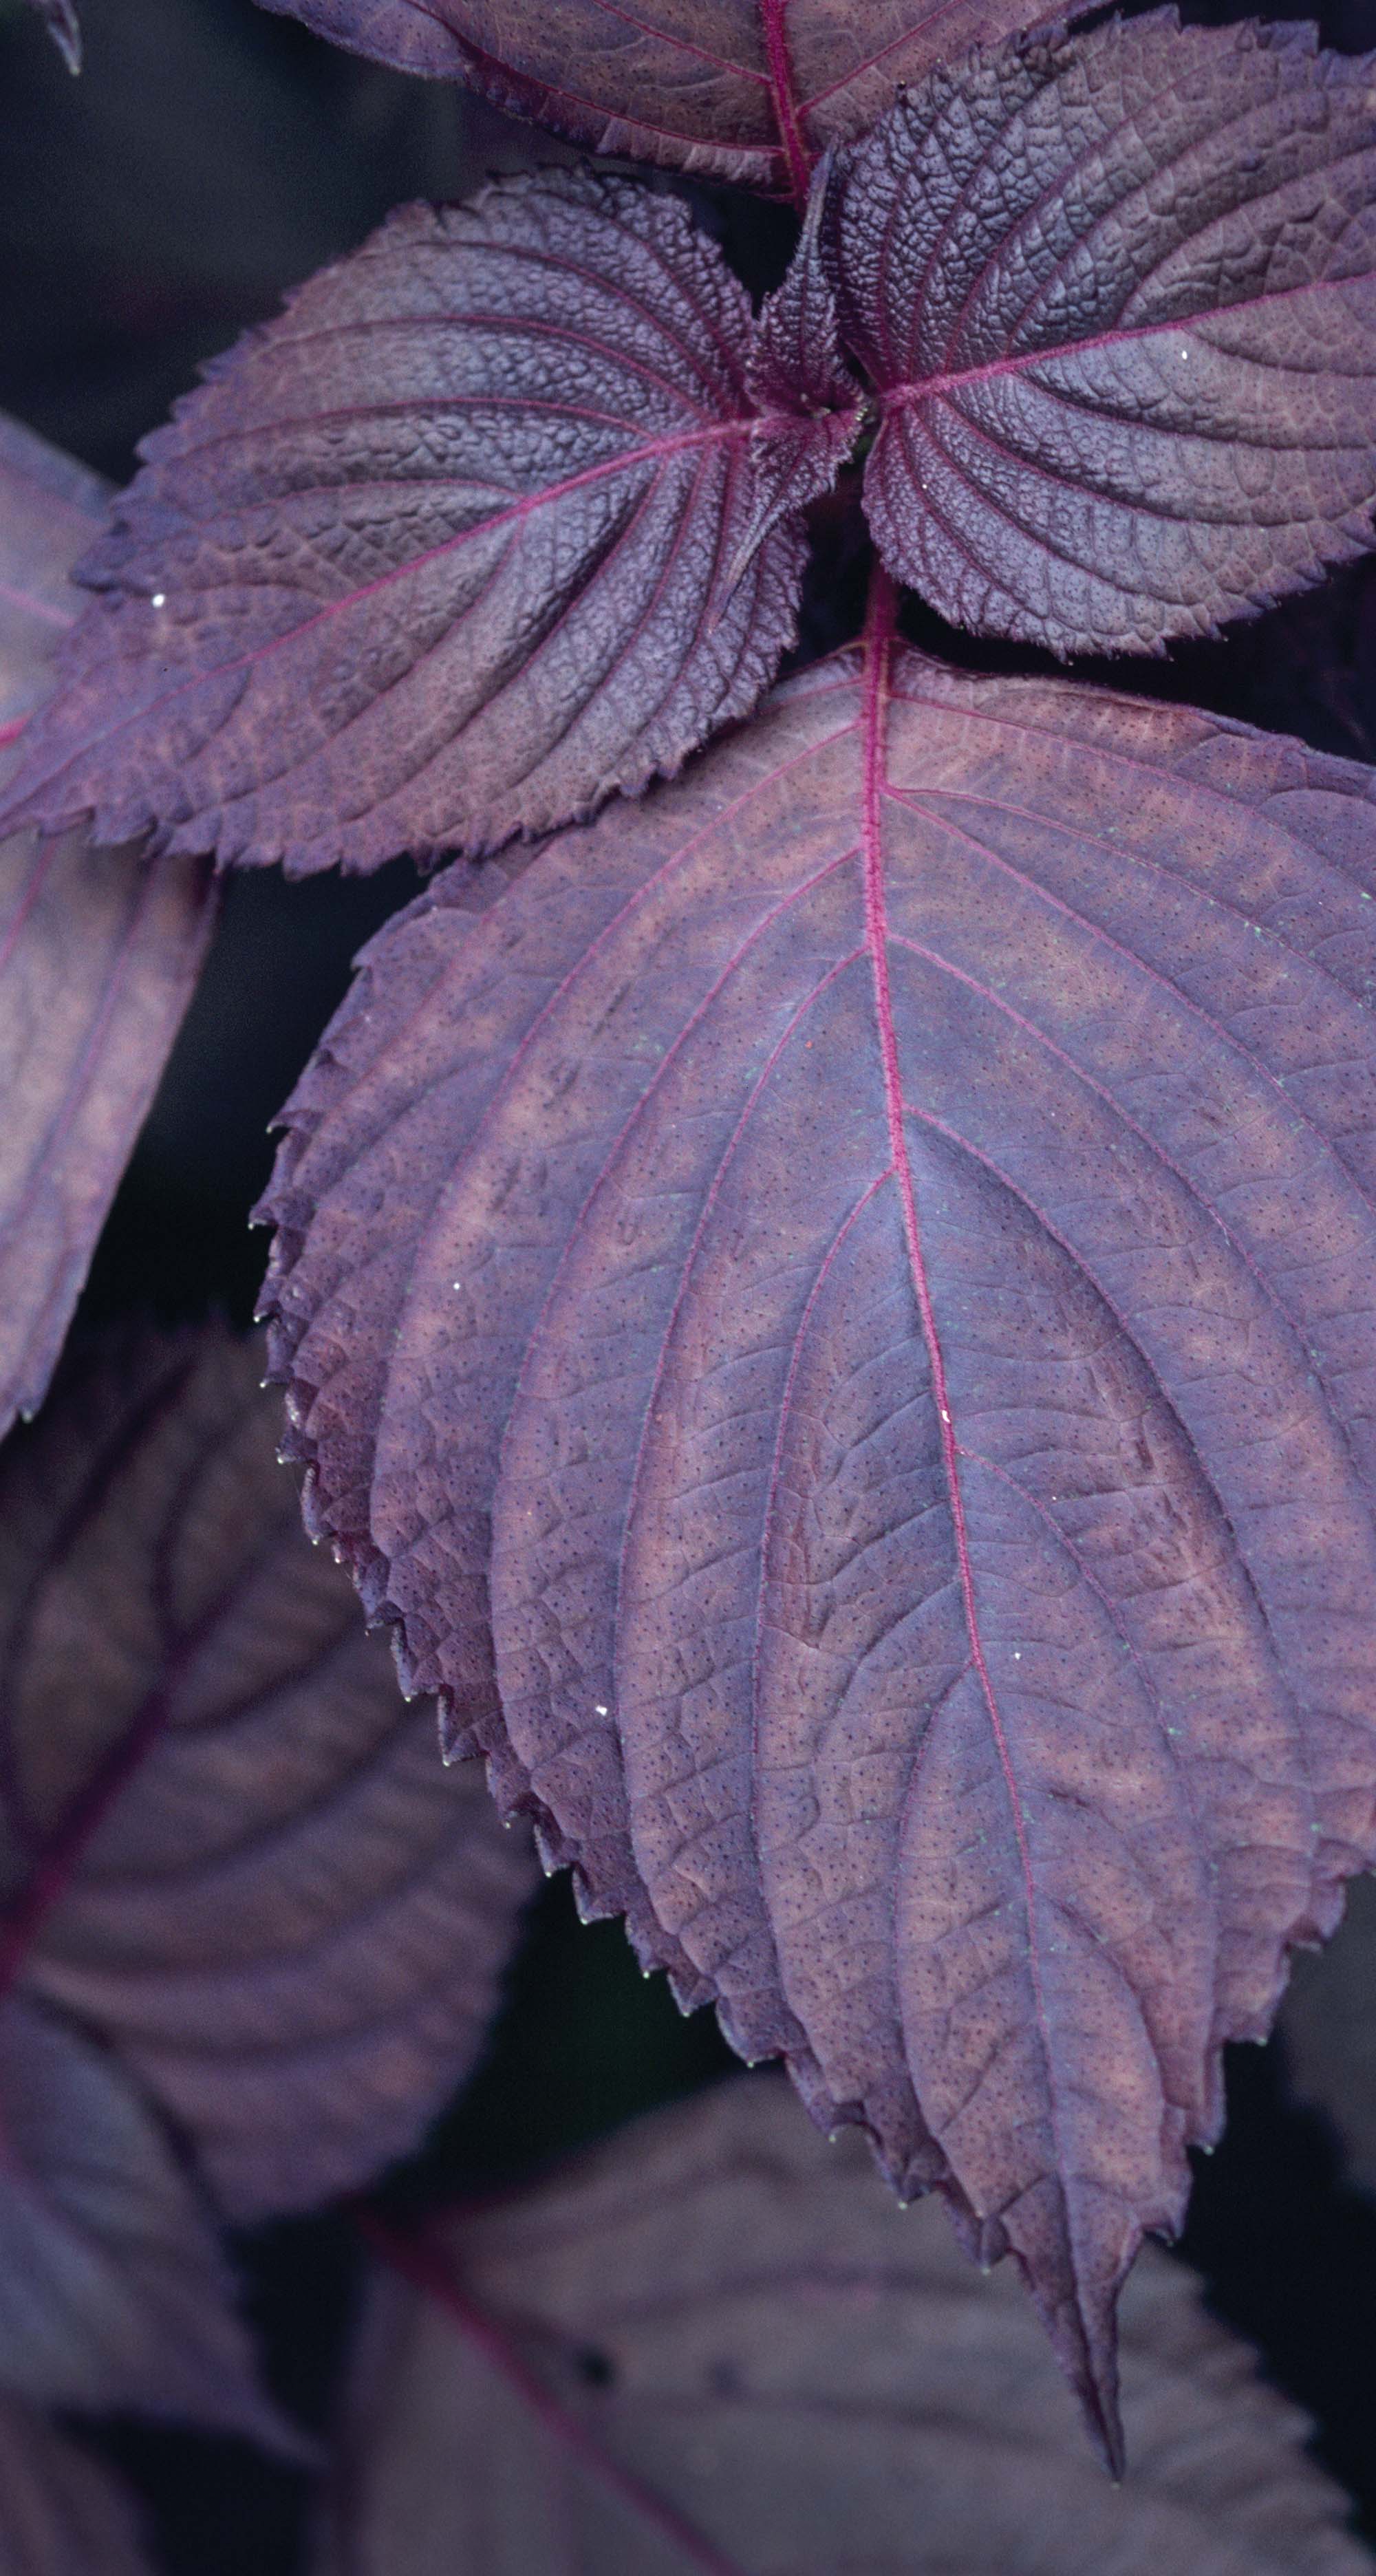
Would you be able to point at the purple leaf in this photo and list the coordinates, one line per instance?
(873, 1249)
(714, 2346)
(799, 374)
(60, 19)
(751, 90)
(447, 554)
(226, 1842)
(61, 2512)
(1118, 296)
(99, 955)
(113, 2291)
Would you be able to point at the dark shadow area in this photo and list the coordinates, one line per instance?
(1288, 2255)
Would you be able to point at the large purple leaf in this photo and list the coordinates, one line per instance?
(1118, 295)
(751, 90)
(714, 2346)
(61, 2512)
(113, 2291)
(225, 1841)
(874, 1250)
(99, 955)
(450, 552)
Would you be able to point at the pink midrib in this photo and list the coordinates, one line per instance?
(423, 2262)
(32, 607)
(909, 394)
(718, 434)
(879, 647)
(777, 79)
(60, 1856)
(783, 92)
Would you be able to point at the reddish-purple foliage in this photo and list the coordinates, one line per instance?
(505, 514)
(831, 1312)
(450, 552)
(1117, 295)
(873, 1252)
(60, 19)
(712, 2347)
(226, 1844)
(99, 955)
(751, 90)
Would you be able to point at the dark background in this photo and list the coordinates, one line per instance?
(208, 157)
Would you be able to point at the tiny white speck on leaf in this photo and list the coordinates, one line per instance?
(598, 1709)
(159, 599)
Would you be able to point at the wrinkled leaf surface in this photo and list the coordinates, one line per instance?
(449, 552)
(750, 90)
(61, 2512)
(99, 955)
(225, 1841)
(861, 1273)
(715, 2346)
(1118, 294)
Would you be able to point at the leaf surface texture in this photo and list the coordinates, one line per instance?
(723, 2313)
(858, 1278)
(225, 1841)
(750, 90)
(113, 2290)
(1118, 295)
(448, 553)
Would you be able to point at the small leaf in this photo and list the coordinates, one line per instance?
(1328, 2024)
(61, 2512)
(60, 19)
(750, 90)
(860, 1272)
(442, 556)
(113, 2291)
(99, 956)
(227, 1844)
(1118, 295)
(798, 373)
(713, 2346)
